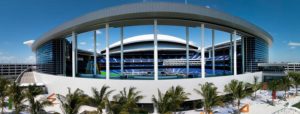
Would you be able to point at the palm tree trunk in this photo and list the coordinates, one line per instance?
(238, 104)
(296, 89)
(273, 96)
(2, 105)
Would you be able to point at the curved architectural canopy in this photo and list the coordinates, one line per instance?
(149, 37)
(179, 14)
(145, 43)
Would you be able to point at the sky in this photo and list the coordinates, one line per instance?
(23, 20)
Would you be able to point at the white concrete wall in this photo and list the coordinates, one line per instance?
(59, 84)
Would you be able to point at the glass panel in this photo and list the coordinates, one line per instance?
(114, 50)
(85, 52)
(138, 52)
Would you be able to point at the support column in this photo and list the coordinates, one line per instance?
(202, 52)
(107, 51)
(231, 53)
(74, 54)
(95, 53)
(122, 52)
(155, 51)
(234, 54)
(155, 110)
(187, 51)
(243, 54)
(213, 52)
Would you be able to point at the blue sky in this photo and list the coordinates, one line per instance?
(23, 20)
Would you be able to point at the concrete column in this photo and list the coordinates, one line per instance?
(74, 54)
(202, 52)
(213, 52)
(187, 51)
(155, 51)
(107, 51)
(234, 54)
(155, 110)
(95, 53)
(122, 51)
(243, 54)
(231, 53)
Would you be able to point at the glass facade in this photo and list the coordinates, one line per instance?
(55, 56)
(256, 51)
(50, 57)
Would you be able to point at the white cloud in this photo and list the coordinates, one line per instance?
(29, 42)
(92, 50)
(98, 32)
(207, 6)
(294, 44)
(82, 43)
(30, 59)
(7, 59)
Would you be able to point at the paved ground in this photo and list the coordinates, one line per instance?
(27, 77)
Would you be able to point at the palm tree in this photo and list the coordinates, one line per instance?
(231, 88)
(126, 101)
(255, 86)
(4, 84)
(72, 102)
(273, 86)
(286, 83)
(100, 98)
(295, 76)
(243, 90)
(210, 96)
(178, 96)
(171, 100)
(162, 103)
(18, 97)
(36, 106)
(238, 89)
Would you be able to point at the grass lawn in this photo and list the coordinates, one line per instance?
(297, 105)
(111, 74)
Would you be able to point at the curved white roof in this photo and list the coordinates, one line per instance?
(150, 37)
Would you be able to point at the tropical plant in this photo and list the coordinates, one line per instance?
(243, 90)
(126, 101)
(72, 101)
(4, 84)
(18, 97)
(36, 106)
(210, 96)
(100, 98)
(238, 89)
(162, 103)
(178, 96)
(255, 86)
(231, 88)
(171, 100)
(285, 84)
(295, 76)
(273, 86)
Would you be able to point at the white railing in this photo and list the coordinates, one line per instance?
(288, 110)
(21, 74)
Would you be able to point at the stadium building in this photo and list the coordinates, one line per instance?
(154, 60)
